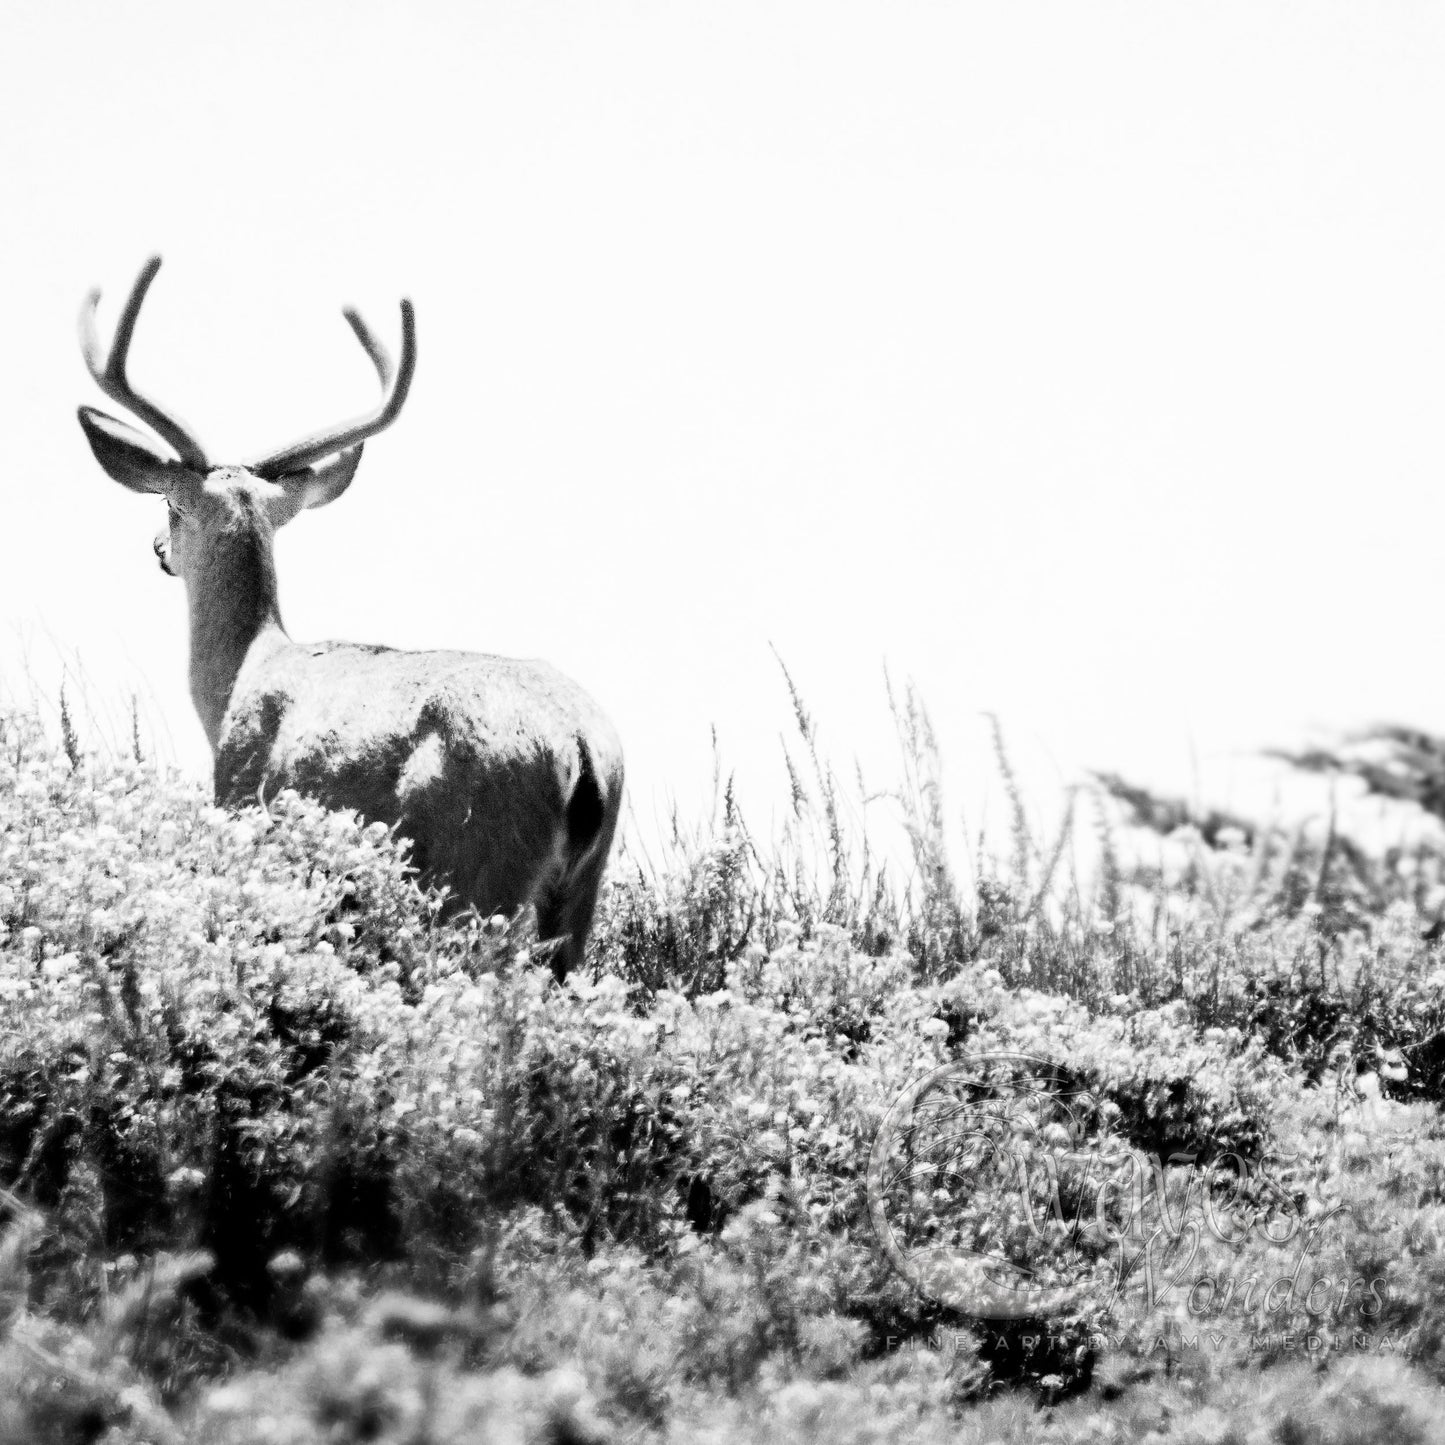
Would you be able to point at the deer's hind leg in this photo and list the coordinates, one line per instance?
(566, 903)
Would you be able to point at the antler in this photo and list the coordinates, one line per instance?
(110, 374)
(395, 383)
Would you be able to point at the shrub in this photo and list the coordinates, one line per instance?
(249, 1039)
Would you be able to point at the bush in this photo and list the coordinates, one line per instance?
(247, 1071)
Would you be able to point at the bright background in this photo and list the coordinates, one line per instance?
(1082, 362)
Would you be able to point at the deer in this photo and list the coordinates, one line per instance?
(504, 776)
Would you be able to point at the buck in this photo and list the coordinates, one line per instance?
(504, 774)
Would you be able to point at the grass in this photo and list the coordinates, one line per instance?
(287, 1158)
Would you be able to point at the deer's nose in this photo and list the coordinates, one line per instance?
(162, 547)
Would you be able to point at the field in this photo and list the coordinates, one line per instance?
(288, 1159)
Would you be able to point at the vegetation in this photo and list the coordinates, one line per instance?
(286, 1158)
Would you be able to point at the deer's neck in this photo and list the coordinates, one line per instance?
(235, 619)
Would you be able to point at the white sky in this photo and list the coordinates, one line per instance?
(1083, 362)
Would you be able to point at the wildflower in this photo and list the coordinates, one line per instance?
(772, 1144)
(288, 1265)
(185, 1180)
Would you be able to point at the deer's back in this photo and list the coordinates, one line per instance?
(474, 757)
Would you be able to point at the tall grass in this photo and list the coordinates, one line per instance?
(249, 1082)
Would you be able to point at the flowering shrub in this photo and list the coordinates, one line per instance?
(246, 1042)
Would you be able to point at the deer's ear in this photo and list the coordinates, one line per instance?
(130, 457)
(315, 486)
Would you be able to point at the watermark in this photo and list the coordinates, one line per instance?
(999, 1189)
(947, 1344)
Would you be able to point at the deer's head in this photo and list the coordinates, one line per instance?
(210, 505)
